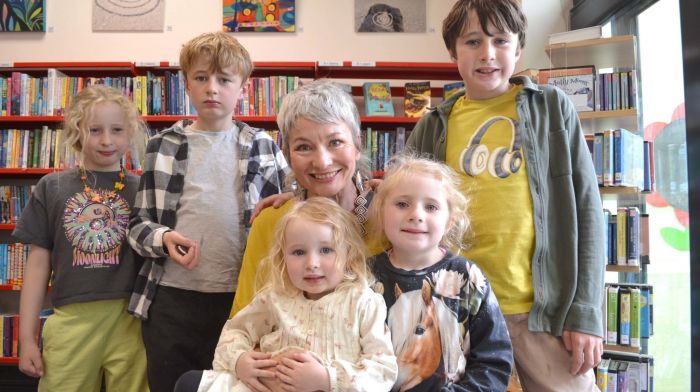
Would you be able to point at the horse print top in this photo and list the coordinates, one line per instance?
(446, 327)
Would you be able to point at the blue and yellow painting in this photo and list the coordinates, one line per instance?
(22, 16)
(259, 15)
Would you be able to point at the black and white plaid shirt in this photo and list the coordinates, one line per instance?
(262, 168)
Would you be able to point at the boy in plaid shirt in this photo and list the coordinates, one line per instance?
(200, 183)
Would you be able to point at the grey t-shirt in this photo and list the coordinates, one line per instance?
(90, 256)
(210, 210)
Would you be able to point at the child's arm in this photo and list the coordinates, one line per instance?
(242, 333)
(490, 356)
(36, 278)
(585, 318)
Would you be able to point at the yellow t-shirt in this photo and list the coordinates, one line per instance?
(484, 146)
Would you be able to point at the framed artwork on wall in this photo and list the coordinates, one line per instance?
(128, 15)
(259, 16)
(390, 16)
(22, 16)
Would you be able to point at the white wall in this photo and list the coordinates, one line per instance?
(325, 32)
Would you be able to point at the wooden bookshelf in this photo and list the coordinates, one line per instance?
(622, 268)
(605, 119)
(619, 348)
(618, 190)
(613, 52)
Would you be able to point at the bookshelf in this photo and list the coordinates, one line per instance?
(124, 75)
(616, 53)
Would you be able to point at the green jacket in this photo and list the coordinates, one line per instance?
(567, 263)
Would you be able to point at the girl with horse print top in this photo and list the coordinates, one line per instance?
(446, 327)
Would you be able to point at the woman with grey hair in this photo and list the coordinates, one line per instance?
(320, 128)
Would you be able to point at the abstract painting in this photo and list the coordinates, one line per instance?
(128, 15)
(22, 16)
(390, 16)
(259, 15)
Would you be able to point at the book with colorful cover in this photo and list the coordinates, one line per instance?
(378, 99)
(451, 88)
(578, 83)
(416, 98)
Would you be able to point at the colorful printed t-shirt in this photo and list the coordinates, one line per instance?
(484, 145)
(90, 256)
(447, 330)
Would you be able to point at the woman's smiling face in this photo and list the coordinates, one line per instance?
(323, 157)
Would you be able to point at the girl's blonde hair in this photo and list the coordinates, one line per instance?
(347, 242)
(406, 166)
(80, 111)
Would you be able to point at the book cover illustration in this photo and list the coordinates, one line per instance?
(416, 98)
(578, 84)
(378, 99)
(451, 88)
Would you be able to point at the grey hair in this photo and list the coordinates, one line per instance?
(321, 101)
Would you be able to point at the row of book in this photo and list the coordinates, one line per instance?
(9, 330)
(618, 372)
(12, 260)
(590, 91)
(44, 148)
(24, 95)
(627, 234)
(622, 158)
(13, 198)
(381, 146)
(629, 314)
(416, 101)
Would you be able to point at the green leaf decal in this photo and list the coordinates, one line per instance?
(677, 239)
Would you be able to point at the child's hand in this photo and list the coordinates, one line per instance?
(190, 259)
(30, 362)
(302, 372)
(275, 201)
(252, 366)
(585, 350)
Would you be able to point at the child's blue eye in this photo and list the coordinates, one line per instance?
(298, 252)
(402, 204)
(327, 250)
(432, 207)
(472, 42)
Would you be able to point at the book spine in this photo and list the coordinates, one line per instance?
(625, 297)
(635, 317)
(608, 155)
(622, 235)
(613, 295)
(633, 236)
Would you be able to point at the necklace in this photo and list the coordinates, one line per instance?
(118, 186)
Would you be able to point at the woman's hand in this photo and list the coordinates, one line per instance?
(275, 201)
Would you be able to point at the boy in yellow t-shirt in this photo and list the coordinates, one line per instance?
(536, 212)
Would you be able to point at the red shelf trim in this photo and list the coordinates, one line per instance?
(44, 119)
(9, 360)
(14, 170)
(7, 226)
(174, 118)
(9, 287)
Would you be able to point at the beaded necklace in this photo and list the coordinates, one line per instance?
(118, 186)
